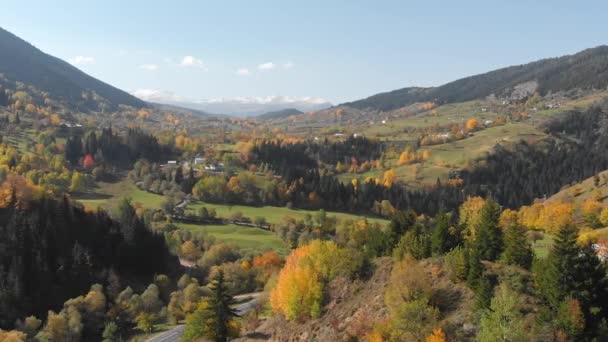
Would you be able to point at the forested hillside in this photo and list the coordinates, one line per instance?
(587, 69)
(24, 63)
(53, 250)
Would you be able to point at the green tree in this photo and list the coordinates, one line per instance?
(557, 279)
(518, 250)
(474, 269)
(504, 320)
(110, 332)
(488, 239)
(400, 223)
(145, 321)
(78, 183)
(483, 293)
(440, 240)
(214, 317)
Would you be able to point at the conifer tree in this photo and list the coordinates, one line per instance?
(518, 250)
(488, 240)
(475, 268)
(483, 293)
(440, 241)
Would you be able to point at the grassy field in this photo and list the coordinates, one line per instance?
(584, 190)
(455, 155)
(272, 214)
(246, 238)
(541, 247)
(107, 196)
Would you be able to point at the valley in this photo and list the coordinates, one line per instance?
(470, 211)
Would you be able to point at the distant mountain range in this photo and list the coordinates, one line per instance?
(64, 83)
(239, 106)
(587, 69)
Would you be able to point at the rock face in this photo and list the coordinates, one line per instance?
(351, 310)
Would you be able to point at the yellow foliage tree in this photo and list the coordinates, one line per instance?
(299, 289)
(469, 213)
(436, 336)
(389, 178)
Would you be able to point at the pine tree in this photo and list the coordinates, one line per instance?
(483, 293)
(400, 223)
(475, 268)
(179, 175)
(518, 250)
(563, 264)
(591, 286)
(440, 241)
(220, 305)
(488, 240)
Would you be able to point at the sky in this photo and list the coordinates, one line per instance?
(336, 50)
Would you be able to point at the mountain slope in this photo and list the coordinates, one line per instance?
(279, 114)
(587, 69)
(22, 62)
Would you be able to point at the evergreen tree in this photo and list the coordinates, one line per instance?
(440, 241)
(179, 175)
(591, 287)
(518, 250)
(475, 268)
(90, 144)
(400, 223)
(220, 303)
(213, 317)
(483, 293)
(488, 239)
(562, 266)
(73, 149)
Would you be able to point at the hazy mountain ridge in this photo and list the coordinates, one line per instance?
(246, 106)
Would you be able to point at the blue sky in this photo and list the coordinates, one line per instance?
(337, 50)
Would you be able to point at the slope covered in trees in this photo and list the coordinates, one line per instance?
(587, 69)
(53, 250)
(518, 175)
(22, 62)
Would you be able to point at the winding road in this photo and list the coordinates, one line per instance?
(175, 334)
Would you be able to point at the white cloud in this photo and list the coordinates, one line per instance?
(288, 65)
(267, 66)
(243, 72)
(82, 60)
(149, 67)
(155, 95)
(191, 61)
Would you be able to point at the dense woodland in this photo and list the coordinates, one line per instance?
(54, 250)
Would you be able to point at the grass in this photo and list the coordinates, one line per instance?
(248, 239)
(107, 196)
(272, 214)
(541, 247)
(454, 155)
